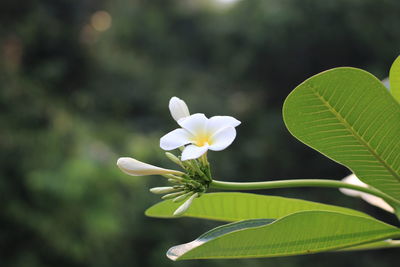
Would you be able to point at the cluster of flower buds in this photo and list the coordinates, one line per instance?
(185, 186)
(197, 135)
(188, 186)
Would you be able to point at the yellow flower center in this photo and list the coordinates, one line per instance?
(202, 140)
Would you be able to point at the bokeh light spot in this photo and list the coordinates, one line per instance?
(101, 20)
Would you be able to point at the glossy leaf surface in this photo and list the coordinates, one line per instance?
(242, 206)
(394, 78)
(348, 115)
(299, 233)
(376, 245)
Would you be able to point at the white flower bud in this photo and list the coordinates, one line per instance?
(184, 207)
(173, 195)
(137, 168)
(163, 190)
(174, 181)
(178, 108)
(174, 159)
(182, 197)
(174, 177)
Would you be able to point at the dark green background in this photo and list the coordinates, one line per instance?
(73, 100)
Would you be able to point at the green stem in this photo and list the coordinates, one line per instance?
(303, 183)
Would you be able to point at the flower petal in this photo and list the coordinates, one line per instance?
(223, 138)
(178, 108)
(176, 138)
(377, 202)
(137, 168)
(352, 179)
(373, 200)
(217, 123)
(195, 124)
(193, 152)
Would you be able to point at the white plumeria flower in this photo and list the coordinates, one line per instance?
(215, 133)
(373, 200)
(137, 168)
(178, 108)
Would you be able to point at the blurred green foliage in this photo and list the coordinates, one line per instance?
(74, 97)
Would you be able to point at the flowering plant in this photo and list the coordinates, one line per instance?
(197, 135)
(344, 113)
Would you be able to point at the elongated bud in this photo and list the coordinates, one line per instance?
(137, 168)
(171, 176)
(174, 159)
(178, 108)
(173, 181)
(197, 168)
(182, 197)
(173, 195)
(163, 190)
(184, 207)
(177, 180)
(195, 183)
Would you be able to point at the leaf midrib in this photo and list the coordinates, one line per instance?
(354, 132)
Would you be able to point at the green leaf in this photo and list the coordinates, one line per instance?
(242, 206)
(375, 245)
(348, 115)
(299, 233)
(394, 78)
